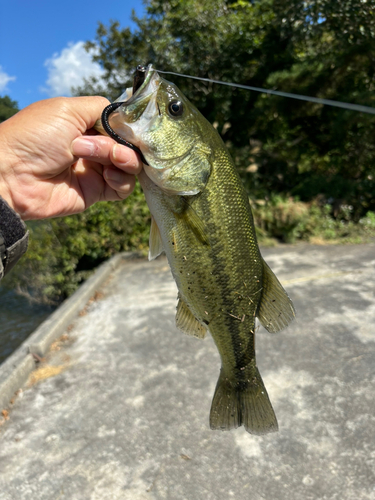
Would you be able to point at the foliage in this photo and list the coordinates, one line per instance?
(63, 251)
(319, 48)
(323, 150)
(77, 244)
(8, 108)
(312, 166)
(289, 220)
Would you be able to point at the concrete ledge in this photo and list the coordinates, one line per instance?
(13, 374)
(16, 369)
(55, 325)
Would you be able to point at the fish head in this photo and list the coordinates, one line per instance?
(170, 132)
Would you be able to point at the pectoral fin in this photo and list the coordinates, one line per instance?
(187, 322)
(186, 215)
(276, 310)
(191, 219)
(155, 243)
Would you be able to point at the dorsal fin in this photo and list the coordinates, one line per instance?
(276, 310)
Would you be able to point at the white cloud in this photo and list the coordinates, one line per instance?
(4, 79)
(68, 69)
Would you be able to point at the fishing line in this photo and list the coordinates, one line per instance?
(318, 100)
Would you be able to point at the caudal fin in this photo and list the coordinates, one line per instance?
(234, 405)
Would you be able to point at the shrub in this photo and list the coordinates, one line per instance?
(63, 252)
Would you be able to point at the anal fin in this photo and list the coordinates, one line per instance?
(187, 322)
(276, 310)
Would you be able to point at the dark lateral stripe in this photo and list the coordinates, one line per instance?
(235, 329)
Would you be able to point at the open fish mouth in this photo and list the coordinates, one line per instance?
(123, 120)
(143, 79)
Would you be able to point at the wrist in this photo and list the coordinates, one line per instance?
(5, 194)
(7, 165)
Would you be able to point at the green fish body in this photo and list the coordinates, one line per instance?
(202, 219)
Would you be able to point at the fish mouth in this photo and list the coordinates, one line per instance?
(125, 120)
(142, 87)
(134, 108)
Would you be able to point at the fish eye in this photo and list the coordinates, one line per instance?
(175, 108)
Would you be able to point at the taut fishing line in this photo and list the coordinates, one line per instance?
(318, 100)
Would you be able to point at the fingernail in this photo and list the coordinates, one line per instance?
(122, 155)
(82, 147)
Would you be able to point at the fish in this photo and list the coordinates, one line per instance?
(201, 218)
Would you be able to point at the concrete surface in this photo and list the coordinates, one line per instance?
(119, 408)
(15, 370)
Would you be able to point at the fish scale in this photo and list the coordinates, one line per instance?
(202, 219)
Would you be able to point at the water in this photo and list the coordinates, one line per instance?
(18, 318)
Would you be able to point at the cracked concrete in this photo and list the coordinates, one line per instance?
(127, 416)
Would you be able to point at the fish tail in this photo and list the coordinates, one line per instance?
(235, 404)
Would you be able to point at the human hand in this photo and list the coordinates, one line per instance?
(51, 164)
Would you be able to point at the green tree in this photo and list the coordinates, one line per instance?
(320, 48)
(8, 108)
(284, 149)
(320, 150)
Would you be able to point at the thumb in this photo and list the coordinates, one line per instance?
(87, 109)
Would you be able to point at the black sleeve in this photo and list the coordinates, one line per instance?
(14, 238)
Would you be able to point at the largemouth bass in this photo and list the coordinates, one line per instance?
(202, 219)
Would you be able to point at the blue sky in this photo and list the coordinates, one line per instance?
(41, 53)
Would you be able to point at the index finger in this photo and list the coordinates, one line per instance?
(106, 151)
